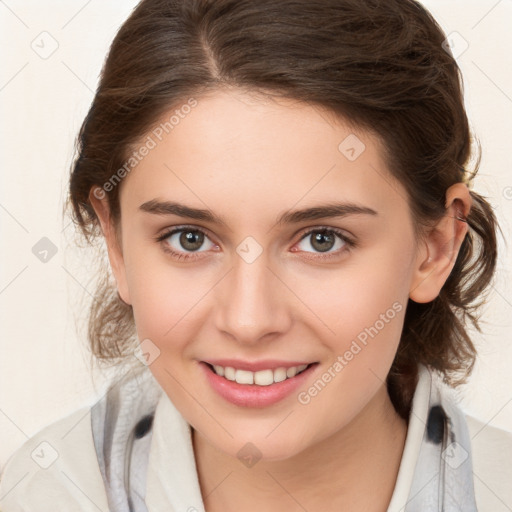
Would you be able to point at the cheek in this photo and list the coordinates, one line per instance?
(165, 298)
(367, 292)
(164, 306)
(363, 305)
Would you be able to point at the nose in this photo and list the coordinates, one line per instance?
(251, 302)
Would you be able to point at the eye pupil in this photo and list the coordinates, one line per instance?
(191, 240)
(323, 241)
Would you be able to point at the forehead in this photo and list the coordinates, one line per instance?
(235, 152)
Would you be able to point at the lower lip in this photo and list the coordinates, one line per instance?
(252, 395)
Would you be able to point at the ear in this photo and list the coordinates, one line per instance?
(99, 202)
(438, 252)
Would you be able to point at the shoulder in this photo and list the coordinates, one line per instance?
(491, 455)
(56, 469)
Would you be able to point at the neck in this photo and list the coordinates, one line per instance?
(354, 469)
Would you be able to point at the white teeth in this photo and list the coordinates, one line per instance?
(279, 374)
(291, 372)
(261, 377)
(264, 377)
(244, 377)
(229, 373)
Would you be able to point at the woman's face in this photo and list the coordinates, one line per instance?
(293, 246)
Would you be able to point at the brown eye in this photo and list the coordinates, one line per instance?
(325, 240)
(322, 241)
(182, 241)
(191, 240)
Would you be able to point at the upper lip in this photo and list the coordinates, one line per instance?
(254, 366)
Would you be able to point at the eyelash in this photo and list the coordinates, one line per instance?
(349, 243)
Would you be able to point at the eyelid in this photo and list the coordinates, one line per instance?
(338, 231)
(167, 232)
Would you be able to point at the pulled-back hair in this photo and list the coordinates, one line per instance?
(380, 65)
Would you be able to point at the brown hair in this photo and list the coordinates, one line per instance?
(381, 65)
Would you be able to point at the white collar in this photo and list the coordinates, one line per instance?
(172, 480)
(172, 483)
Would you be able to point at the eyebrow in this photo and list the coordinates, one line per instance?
(289, 217)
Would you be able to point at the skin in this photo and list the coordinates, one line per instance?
(248, 159)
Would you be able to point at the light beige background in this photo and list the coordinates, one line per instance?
(44, 364)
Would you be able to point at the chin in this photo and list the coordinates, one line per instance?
(276, 446)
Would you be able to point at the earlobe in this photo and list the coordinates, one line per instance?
(99, 202)
(440, 247)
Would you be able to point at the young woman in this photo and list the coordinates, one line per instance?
(296, 253)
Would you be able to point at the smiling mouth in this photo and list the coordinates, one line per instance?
(265, 377)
